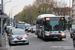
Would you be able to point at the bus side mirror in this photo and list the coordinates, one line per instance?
(44, 22)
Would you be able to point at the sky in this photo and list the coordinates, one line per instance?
(18, 5)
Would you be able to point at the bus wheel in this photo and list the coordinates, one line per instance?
(74, 43)
(43, 38)
(38, 36)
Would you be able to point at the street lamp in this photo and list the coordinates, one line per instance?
(69, 16)
(11, 13)
(69, 9)
(4, 4)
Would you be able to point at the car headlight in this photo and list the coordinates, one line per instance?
(46, 33)
(63, 34)
(12, 38)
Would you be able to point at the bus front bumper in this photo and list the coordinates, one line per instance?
(55, 36)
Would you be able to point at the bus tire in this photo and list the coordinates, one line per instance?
(38, 36)
(43, 37)
(74, 43)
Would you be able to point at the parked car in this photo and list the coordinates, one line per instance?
(71, 33)
(29, 29)
(21, 26)
(7, 28)
(74, 38)
(27, 26)
(33, 29)
(18, 36)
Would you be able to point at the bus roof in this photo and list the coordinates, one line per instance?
(47, 15)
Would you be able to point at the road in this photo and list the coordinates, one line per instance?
(39, 44)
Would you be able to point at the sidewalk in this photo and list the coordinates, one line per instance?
(3, 47)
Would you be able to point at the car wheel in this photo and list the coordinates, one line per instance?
(32, 32)
(27, 43)
(10, 43)
(71, 35)
(74, 43)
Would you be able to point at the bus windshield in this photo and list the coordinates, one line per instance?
(54, 24)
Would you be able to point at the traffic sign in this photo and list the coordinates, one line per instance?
(0, 11)
(3, 16)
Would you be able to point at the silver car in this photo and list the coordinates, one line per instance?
(18, 36)
(7, 29)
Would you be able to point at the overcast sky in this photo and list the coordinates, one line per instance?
(20, 5)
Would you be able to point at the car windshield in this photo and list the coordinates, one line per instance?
(54, 24)
(30, 27)
(27, 25)
(18, 32)
(11, 28)
(21, 26)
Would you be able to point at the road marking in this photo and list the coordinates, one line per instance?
(64, 47)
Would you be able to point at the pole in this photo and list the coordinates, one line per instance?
(11, 14)
(11, 17)
(69, 9)
(1, 34)
(1, 24)
(69, 16)
(2, 5)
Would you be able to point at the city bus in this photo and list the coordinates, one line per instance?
(49, 26)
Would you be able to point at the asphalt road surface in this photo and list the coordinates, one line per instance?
(39, 44)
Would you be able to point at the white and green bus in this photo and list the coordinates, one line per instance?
(49, 26)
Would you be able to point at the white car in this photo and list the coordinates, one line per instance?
(18, 36)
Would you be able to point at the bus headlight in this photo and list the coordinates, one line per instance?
(63, 34)
(46, 33)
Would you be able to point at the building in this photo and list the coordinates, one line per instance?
(62, 11)
(43, 1)
(73, 12)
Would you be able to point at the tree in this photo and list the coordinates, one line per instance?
(44, 6)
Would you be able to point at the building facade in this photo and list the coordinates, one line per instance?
(73, 12)
(62, 11)
(44, 1)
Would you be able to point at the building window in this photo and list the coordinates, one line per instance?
(73, 1)
(73, 11)
(73, 6)
(73, 16)
(73, 21)
(47, 1)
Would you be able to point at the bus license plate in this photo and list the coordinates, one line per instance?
(55, 37)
